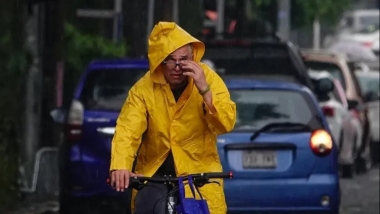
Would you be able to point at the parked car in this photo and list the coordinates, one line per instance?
(280, 151)
(369, 83)
(344, 124)
(357, 20)
(258, 59)
(88, 130)
(343, 70)
(368, 37)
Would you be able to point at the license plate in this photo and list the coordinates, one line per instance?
(259, 159)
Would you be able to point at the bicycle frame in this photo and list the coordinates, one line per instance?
(199, 180)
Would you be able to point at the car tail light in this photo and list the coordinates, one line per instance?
(328, 111)
(367, 44)
(75, 122)
(321, 143)
(355, 114)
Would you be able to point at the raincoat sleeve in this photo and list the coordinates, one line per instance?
(130, 125)
(223, 119)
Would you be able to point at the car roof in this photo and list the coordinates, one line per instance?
(319, 74)
(374, 74)
(119, 63)
(323, 53)
(362, 12)
(237, 83)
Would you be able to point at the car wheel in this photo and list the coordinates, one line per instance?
(374, 146)
(68, 205)
(349, 170)
(364, 161)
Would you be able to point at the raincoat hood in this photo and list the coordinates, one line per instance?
(165, 38)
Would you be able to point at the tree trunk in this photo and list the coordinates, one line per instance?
(134, 31)
(53, 66)
(191, 16)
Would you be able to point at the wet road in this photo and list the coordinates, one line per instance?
(359, 196)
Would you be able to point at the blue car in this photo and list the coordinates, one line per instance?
(88, 131)
(281, 152)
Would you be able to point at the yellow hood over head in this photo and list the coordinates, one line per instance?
(165, 38)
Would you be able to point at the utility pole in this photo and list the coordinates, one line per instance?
(114, 14)
(316, 34)
(283, 17)
(33, 93)
(149, 26)
(220, 20)
(175, 14)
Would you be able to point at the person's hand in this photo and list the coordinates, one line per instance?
(120, 179)
(195, 71)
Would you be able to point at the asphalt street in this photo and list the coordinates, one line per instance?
(359, 196)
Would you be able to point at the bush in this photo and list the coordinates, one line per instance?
(81, 49)
(14, 65)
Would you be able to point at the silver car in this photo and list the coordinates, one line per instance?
(370, 86)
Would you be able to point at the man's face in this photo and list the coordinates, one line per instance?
(172, 68)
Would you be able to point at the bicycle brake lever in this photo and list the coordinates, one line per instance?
(202, 182)
(215, 182)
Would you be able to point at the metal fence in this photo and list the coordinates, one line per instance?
(44, 181)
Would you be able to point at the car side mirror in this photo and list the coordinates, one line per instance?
(324, 85)
(370, 96)
(352, 104)
(58, 115)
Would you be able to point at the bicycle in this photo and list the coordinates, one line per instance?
(199, 180)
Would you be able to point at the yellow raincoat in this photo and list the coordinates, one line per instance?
(187, 127)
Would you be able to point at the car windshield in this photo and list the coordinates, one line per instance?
(333, 69)
(107, 89)
(368, 29)
(369, 83)
(257, 108)
(369, 20)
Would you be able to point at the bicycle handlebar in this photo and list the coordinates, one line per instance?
(200, 177)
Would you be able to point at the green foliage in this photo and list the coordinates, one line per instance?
(305, 11)
(14, 64)
(81, 49)
(261, 2)
(9, 166)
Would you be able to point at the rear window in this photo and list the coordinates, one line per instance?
(369, 20)
(333, 69)
(250, 60)
(369, 83)
(107, 89)
(257, 108)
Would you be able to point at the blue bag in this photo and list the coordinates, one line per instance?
(190, 205)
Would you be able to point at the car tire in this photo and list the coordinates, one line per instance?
(374, 146)
(349, 170)
(67, 205)
(364, 163)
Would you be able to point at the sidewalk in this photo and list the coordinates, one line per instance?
(48, 207)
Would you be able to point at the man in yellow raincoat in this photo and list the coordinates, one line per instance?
(172, 117)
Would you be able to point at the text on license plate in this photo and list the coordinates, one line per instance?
(259, 159)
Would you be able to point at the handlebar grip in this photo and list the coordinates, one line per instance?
(219, 175)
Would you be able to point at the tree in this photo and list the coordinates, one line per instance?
(305, 12)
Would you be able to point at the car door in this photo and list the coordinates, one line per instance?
(347, 131)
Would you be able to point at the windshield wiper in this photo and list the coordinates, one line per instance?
(270, 126)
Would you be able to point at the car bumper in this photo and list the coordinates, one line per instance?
(283, 195)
